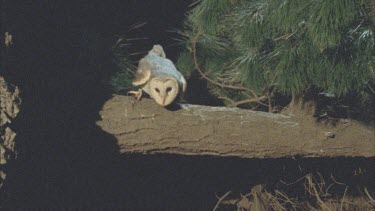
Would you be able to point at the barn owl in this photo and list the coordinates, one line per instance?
(158, 77)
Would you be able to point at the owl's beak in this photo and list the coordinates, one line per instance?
(163, 104)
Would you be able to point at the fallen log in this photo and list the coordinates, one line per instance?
(145, 127)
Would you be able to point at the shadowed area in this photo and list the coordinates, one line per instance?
(61, 60)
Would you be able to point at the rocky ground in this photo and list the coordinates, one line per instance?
(9, 108)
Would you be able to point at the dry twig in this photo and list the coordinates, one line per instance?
(220, 200)
(313, 191)
(372, 200)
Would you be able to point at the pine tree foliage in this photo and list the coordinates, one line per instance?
(122, 79)
(293, 45)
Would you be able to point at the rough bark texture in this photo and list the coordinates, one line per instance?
(145, 127)
(9, 108)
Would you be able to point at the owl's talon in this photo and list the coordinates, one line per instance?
(137, 94)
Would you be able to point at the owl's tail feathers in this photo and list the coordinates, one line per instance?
(158, 50)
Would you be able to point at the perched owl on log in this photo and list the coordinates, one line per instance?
(158, 77)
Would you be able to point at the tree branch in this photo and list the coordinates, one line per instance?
(194, 43)
(221, 131)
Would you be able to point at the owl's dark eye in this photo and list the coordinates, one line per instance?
(168, 89)
(157, 90)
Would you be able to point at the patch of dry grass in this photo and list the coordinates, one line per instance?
(318, 195)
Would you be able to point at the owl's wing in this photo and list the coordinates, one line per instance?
(183, 82)
(143, 73)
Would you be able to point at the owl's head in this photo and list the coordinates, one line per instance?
(164, 90)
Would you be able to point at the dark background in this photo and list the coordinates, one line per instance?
(62, 61)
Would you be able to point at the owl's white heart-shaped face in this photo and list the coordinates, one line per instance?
(164, 90)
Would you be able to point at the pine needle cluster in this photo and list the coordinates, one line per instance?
(293, 46)
(121, 81)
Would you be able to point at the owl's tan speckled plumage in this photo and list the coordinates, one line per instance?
(158, 77)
